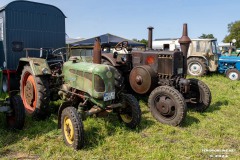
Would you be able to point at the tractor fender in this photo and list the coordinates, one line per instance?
(39, 66)
(203, 57)
(109, 57)
(61, 108)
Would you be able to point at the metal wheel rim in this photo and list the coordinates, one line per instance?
(68, 130)
(168, 113)
(126, 118)
(233, 76)
(195, 68)
(28, 78)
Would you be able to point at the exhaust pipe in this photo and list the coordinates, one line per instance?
(150, 33)
(184, 44)
(97, 54)
(184, 40)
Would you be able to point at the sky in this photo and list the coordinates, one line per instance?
(130, 18)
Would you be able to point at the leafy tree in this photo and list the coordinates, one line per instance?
(144, 41)
(206, 36)
(234, 33)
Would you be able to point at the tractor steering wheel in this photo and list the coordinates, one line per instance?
(121, 45)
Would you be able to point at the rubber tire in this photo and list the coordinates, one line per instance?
(16, 119)
(72, 113)
(229, 71)
(133, 110)
(201, 90)
(176, 97)
(119, 80)
(42, 110)
(201, 62)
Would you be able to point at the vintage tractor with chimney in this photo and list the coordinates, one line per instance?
(86, 89)
(13, 108)
(162, 74)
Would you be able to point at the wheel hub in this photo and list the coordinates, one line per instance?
(195, 68)
(29, 93)
(166, 106)
(139, 79)
(68, 130)
(233, 76)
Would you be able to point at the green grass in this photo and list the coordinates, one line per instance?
(106, 138)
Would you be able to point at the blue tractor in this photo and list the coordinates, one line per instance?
(230, 65)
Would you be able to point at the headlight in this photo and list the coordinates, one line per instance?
(4, 64)
(99, 85)
(45, 71)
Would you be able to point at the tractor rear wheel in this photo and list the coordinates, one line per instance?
(16, 118)
(196, 66)
(131, 113)
(72, 128)
(201, 93)
(35, 94)
(167, 105)
(233, 74)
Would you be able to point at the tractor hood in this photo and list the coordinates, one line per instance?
(229, 59)
(95, 79)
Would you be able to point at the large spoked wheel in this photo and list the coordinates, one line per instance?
(167, 105)
(233, 74)
(196, 66)
(16, 118)
(131, 113)
(35, 93)
(201, 94)
(72, 128)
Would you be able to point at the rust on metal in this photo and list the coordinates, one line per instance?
(142, 79)
(150, 30)
(97, 51)
(184, 40)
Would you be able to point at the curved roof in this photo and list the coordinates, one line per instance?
(23, 1)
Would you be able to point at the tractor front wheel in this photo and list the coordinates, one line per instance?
(35, 94)
(233, 74)
(130, 113)
(16, 118)
(167, 105)
(72, 128)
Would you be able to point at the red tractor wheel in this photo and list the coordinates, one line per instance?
(35, 93)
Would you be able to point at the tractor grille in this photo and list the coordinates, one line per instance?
(170, 64)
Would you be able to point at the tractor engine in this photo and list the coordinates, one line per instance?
(94, 82)
(157, 68)
(152, 68)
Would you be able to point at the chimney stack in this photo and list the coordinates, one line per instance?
(150, 33)
(184, 40)
(97, 51)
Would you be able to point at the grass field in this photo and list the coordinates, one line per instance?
(214, 133)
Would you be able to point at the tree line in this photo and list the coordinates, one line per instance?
(233, 33)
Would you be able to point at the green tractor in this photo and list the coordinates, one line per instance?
(13, 108)
(86, 89)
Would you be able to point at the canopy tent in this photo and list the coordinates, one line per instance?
(107, 40)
